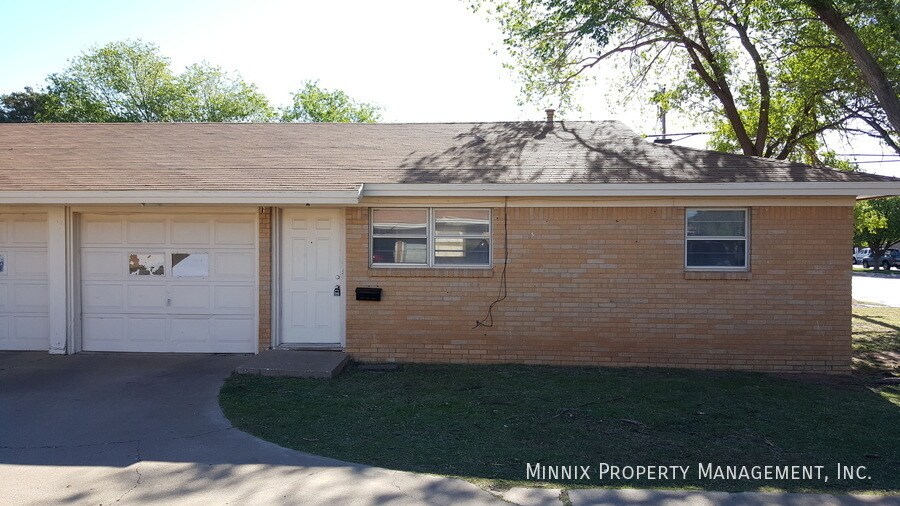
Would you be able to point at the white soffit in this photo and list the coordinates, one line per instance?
(180, 197)
(857, 189)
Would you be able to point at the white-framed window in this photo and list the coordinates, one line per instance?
(716, 238)
(430, 237)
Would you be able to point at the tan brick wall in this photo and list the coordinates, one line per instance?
(606, 286)
(265, 278)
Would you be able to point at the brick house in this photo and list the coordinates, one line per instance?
(531, 242)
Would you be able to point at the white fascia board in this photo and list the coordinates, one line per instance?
(179, 197)
(863, 190)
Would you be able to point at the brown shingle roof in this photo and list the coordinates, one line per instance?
(294, 157)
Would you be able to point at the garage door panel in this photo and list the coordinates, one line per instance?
(104, 265)
(235, 233)
(101, 297)
(28, 328)
(21, 332)
(190, 331)
(190, 233)
(178, 310)
(191, 298)
(102, 232)
(28, 262)
(234, 266)
(29, 230)
(234, 298)
(103, 333)
(30, 297)
(145, 297)
(146, 232)
(233, 331)
(231, 334)
(147, 330)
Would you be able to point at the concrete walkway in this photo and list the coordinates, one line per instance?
(140, 429)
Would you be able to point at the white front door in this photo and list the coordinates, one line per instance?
(312, 279)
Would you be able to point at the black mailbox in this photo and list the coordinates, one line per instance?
(365, 293)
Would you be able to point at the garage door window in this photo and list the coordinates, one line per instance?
(146, 264)
(2, 263)
(190, 265)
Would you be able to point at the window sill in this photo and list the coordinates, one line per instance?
(731, 275)
(388, 272)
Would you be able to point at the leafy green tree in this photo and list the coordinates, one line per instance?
(870, 69)
(132, 81)
(767, 74)
(22, 106)
(126, 81)
(877, 225)
(208, 93)
(312, 103)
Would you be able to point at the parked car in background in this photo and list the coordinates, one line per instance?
(891, 258)
(860, 254)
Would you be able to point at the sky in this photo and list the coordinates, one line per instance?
(421, 61)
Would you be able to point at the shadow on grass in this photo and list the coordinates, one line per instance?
(486, 422)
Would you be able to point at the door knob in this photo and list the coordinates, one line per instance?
(337, 290)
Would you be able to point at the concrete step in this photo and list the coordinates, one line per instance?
(295, 363)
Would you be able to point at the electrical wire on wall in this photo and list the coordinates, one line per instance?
(488, 320)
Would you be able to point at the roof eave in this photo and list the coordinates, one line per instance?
(181, 197)
(781, 189)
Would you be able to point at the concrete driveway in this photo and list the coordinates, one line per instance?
(135, 428)
(141, 429)
(879, 289)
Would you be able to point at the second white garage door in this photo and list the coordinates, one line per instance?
(169, 283)
(24, 320)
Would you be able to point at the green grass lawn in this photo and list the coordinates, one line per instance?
(484, 423)
(876, 340)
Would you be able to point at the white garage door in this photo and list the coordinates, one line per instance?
(169, 283)
(24, 319)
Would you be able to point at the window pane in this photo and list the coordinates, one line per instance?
(458, 251)
(457, 222)
(146, 264)
(2, 264)
(399, 251)
(708, 222)
(399, 222)
(190, 265)
(725, 253)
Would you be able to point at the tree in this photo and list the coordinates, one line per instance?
(877, 225)
(210, 94)
(126, 81)
(312, 103)
(132, 81)
(767, 74)
(871, 71)
(22, 106)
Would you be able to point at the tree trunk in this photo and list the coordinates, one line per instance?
(871, 71)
